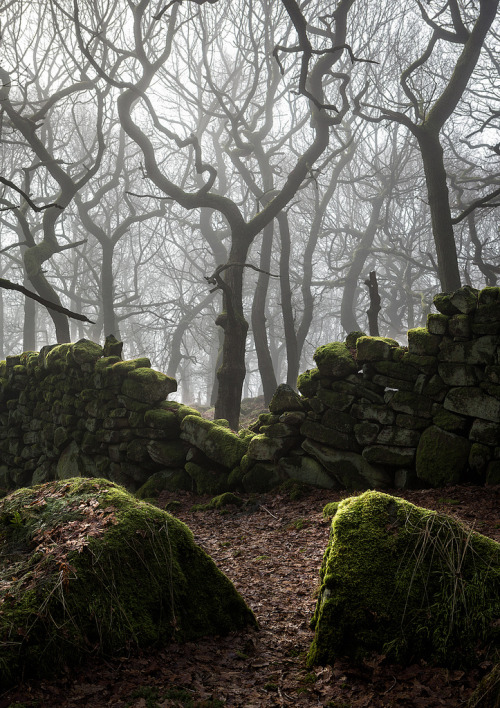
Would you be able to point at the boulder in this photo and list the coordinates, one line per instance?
(407, 582)
(88, 569)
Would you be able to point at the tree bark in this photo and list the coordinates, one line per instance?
(292, 351)
(374, 308)
(259, 329)
(439, 205)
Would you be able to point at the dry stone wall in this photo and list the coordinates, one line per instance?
(372, 414)
(376, 414)
(79, 410)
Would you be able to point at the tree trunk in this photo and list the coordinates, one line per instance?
(374, 308)
(110, 321)
(232, 372)
(29, 322)
(292, 352)
(45, 290)
(439, 205)
(259, 329)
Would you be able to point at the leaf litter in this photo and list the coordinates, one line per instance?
(273, 561)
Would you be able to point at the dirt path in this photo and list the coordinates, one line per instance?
(272, 554)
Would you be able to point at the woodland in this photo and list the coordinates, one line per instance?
(225, 186)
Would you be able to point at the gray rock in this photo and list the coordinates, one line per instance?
(441, 457)
(307, 470)
(473, 402)
(350, 470)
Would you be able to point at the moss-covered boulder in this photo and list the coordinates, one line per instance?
(86, 569)
(407, 582)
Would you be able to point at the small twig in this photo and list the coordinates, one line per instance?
(391, 687)
(269, 512)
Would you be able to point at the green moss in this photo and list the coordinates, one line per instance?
(330, 509)
(218, 443)
(86, 568)
(335, 359)
(162, 420)
(206, 480)
(353, 337)
(85, 352)
(422, 343)
(165, 480)
(375, 348)
(219, 502)
(407, 582)
(147, 385)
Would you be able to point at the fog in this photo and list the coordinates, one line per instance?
(213, 182)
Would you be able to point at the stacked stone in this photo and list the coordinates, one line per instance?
(78, 409)
(378, 415)
(214, 454)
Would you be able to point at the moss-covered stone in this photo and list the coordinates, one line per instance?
(473, 402)
(219, 502)
(161, 419)
(170, 453)
(206, 480)
(330, 436)
(353, 337)
(375, 348)
(437, 323)
(479, 456)
(404, 581)
(410, 403)
(441, 457)
(85, 352)
(84, 566)
(262, 447)
(422, 343)
(349, 469)
(308, 382)
(285, 399)
(147, 385)
(219, 444)
(442, 303)
(262, 477)
(451, 422)
(170, 480)
(335, 359)
(389, 455)
(307, 470)
(465, 299)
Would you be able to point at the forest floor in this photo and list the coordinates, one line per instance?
(272, 552)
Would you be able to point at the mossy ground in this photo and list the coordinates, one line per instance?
(87, 569)
(407, 582)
